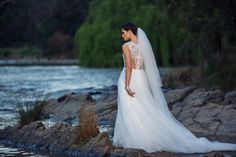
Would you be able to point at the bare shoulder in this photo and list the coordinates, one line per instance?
(125, 46)
(125, 49)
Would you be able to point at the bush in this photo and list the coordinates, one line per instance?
(225, 75)
(20, 52)
(88, 126)
(60, 44)
(30, 111)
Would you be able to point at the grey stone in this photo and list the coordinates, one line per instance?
(230, 97)
(175, 95)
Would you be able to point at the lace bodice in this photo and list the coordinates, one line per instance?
(136, 56)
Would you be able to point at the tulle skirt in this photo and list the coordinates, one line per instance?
(140, 124)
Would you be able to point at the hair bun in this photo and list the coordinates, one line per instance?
(129, 26)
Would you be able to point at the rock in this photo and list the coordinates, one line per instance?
(28, 136)
(109, 89)
(32, 130)
(200, 110)
(200, 96)
(36, 136)
(204, 113)
(67, 106)
(100, 141)
(106, 109)
(177, 109)
(131, 152)
(214, 154)
(207, 118)
(107, 97)
(7, 132)
(228, 121)
(59, 136)
(175, 95)
(230, 97)
(97, 146)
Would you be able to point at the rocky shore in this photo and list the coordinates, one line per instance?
(209, 113)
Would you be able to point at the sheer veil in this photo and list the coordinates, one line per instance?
(153, 75)
(150, 66)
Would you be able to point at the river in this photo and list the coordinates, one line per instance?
(19, 83)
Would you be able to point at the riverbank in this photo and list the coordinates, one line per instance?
(205, 112)
(39, 62)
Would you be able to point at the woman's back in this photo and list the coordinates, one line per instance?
(136, 57)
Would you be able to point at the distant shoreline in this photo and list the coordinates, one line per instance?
(40, 62)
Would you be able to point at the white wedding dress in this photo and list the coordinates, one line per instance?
(142, 123)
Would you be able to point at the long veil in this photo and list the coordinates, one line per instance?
(180, 131)
(153, 77)
(150, 68)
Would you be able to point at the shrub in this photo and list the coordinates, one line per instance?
(30, 111)
(88, 127)
(22, 52)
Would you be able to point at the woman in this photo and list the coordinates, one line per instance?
(143, 119)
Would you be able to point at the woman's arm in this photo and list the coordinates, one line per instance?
(128, 71)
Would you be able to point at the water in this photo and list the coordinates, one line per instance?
(20, 83)
(10, 151)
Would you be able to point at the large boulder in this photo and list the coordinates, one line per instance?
(67, 106)
(36, 136)
(177, 95)
(58, 138)
(98, 146)
(207, 113)
(230, 97)
(106, 109)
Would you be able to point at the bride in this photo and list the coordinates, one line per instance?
(143, 119)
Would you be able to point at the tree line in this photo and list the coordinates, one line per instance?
(189, 32)
(182, 32)
(43, 28)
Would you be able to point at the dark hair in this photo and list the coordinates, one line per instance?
(129, 26)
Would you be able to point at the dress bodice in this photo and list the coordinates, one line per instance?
(136, 56)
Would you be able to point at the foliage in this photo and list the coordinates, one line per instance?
(181, 33)
(213, 25)
(20, 52)
(33, 22)
(225, 75)
(98, 41)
